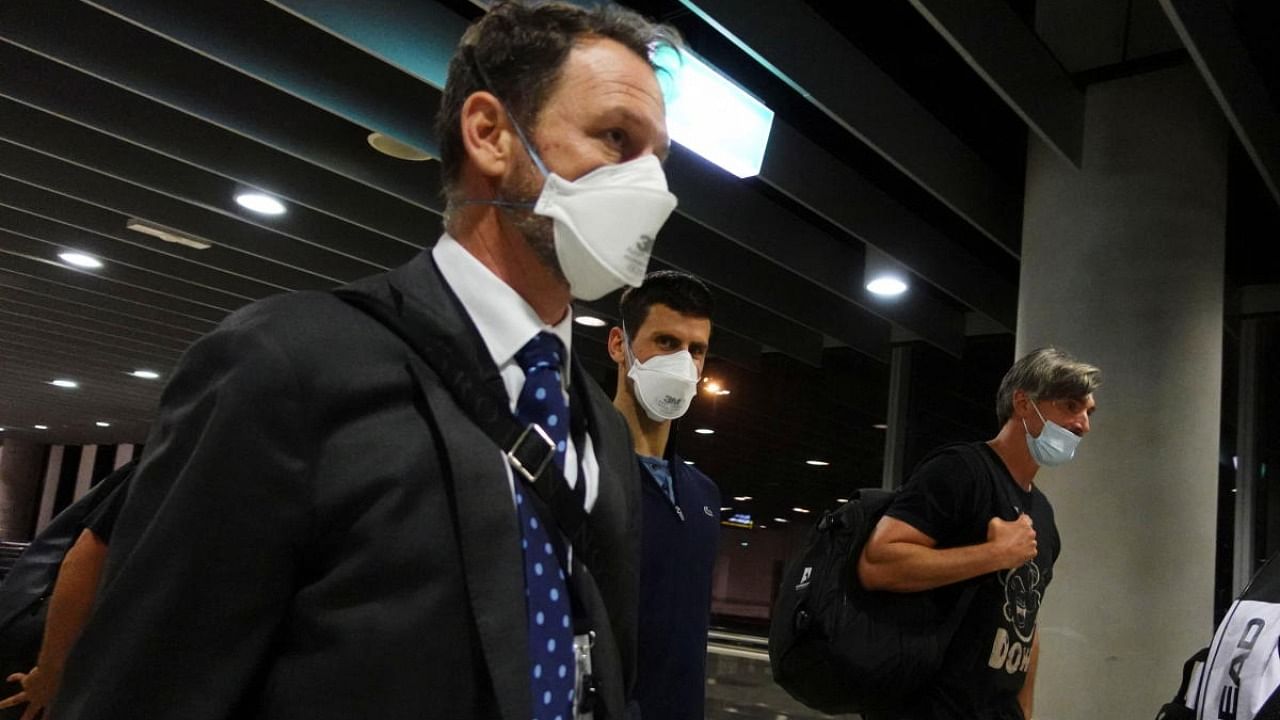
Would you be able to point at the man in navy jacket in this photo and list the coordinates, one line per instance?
(660, 352)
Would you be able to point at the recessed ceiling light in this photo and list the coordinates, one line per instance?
(744, 544)
(260, 203)
(723, 392)
(800, 510)
(763, 527)
(388, 145)
(81, 260)
(781, 520)
(64, 383)
(102, 424)
(705, 431)
(842, 500)
(590, 321)
(887, 286)
(1, 429)
(725, 509)
(145, 374)
(166, 234)
(712, 387)
(880, 426)
(817, 463)
(40, 427)
(688, 462)
(743, 498)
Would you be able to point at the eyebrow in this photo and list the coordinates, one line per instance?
(630, 117)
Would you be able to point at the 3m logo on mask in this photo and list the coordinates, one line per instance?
(1022, 594)
(1229, 699)
(638, 254)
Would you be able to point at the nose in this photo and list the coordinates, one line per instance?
(1080, 424)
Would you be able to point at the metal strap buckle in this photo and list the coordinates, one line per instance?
(519, 466)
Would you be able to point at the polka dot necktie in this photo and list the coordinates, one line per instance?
(546, 592)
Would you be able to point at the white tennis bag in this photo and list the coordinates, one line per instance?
(1236, 677)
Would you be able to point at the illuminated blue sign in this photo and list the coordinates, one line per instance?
(709, 114)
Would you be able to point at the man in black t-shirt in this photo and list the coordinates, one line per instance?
(954, 521)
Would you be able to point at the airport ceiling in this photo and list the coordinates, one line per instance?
(900, 126)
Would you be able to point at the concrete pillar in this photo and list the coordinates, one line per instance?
(20, 467)
(1123, 266)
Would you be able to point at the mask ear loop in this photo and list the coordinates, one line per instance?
(1043, 423)
(469, 54)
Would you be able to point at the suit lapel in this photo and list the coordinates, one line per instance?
(487, 529)
(490, 544)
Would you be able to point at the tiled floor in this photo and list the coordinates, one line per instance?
(740, 688)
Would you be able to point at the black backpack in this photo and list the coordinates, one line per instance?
(839, 648)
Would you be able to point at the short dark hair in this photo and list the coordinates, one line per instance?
(1046, 374)
(677, 290)
(520, 47)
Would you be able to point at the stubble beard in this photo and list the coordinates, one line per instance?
(537, 230)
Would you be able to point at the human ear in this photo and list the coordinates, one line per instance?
(616, 345)
(486, 134)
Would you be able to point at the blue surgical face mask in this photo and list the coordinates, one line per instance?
(1056, 444)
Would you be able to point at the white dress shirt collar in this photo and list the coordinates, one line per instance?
(505, 321)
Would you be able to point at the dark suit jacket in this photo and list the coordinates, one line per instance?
(315, 534)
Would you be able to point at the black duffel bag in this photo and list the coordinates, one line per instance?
(839, 648)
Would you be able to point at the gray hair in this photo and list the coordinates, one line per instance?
(1046, 374)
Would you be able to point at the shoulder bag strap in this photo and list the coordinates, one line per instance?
(528, 449)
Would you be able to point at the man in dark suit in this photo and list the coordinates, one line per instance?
(319, 530)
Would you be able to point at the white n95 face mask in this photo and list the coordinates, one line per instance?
(664, 385)
(606, 222)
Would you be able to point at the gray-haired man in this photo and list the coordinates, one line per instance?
(946, 527)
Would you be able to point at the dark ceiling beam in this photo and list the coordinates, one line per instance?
(80, 327)
(57, 90)
(38, 280)
(793, 42)
(86, 342)
(91, 385)
(59, 237)
(798, 168)
(107, 47)
(32, 303)
(93, 319)
(268, 44)
(1011, 58)
(419, 37)
(325, 268)
(56, 138)
(1209, 34)
(105, 284)
(157, 282)
(730, 207)
(91, 219)
(74, 355)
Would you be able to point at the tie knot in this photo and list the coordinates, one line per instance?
(544, 351)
